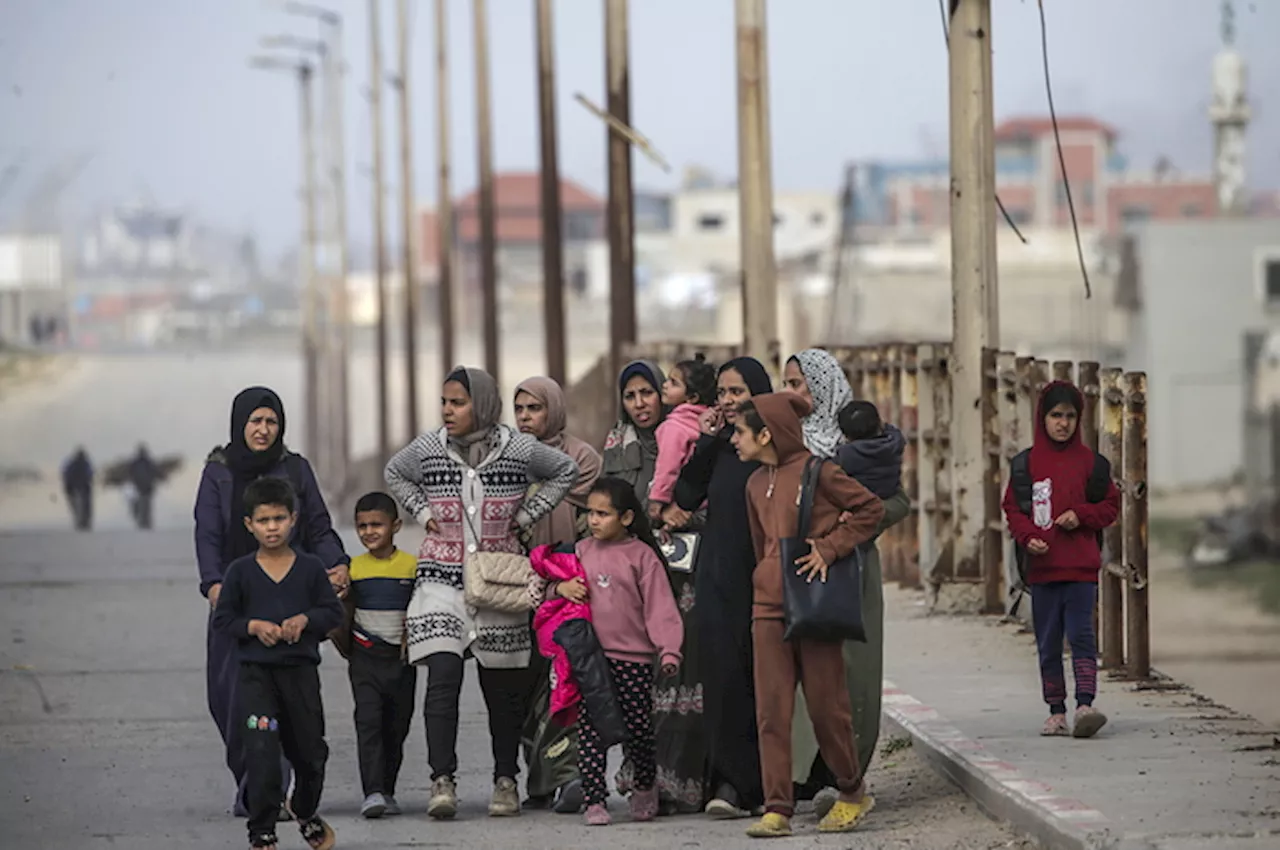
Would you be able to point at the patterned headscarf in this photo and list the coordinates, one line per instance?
(831, 391)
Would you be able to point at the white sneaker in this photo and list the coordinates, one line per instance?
(444, 798)
(374, 806)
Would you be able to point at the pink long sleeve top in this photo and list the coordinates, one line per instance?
(632, 607)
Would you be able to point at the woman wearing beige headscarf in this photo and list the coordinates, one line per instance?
(542, 411)
(468, 485)
(551, 750)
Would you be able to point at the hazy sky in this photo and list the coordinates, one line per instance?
(161, 93)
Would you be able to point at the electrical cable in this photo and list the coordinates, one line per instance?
(1062, 160)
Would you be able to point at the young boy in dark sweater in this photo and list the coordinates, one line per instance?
(1060, 497)
(279, 604)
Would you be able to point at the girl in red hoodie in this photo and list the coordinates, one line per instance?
(1058, 536)
(637, 622)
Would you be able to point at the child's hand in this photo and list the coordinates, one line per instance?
(675, 517)
(340, 578)
(812, 565)
(291, 629)
(1036, 546)
(1068, 520)
(711, 422)
(669, 669)
(268, 634)
(214, 592)
(575, 590)
(655, 511)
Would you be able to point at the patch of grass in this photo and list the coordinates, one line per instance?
(1173, 534)
(1260, 580)
(895, 745)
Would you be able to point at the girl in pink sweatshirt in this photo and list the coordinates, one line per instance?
(636, 621)
(688, 393)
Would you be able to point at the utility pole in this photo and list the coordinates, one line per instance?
(311, 309)
(755, 187)
(975, 303)
(341, 318)
(407, 236)
(484, 156)
(552, 216)
(444, 202)
(621, 221)
(379, 229)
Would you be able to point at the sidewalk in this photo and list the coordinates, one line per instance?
(1171, 771)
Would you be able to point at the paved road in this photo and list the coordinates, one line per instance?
(105, 740)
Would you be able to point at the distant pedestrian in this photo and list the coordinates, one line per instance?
(144, 474)
(383, 682)
(77, 486)
(278, 605)
(256, 449)
(638, 625)
(1059, 499)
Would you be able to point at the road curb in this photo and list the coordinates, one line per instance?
(1003, 791)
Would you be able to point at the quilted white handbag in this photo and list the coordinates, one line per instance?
(497, 581)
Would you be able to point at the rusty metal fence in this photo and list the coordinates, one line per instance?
(910, 385)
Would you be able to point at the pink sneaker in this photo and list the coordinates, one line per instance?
(597, 815)
(1055, 726)
(644, 804)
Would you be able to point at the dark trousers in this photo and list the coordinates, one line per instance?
(634, 686)
(81, 502)
(1058, 609)
(222, 677)
(506, 696)
(283, 706)
(384, 690)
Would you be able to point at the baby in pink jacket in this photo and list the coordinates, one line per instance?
(688, 392)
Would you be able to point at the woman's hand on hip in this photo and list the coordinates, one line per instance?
(432, 526)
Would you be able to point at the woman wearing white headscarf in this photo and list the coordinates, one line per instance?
(468, 484)
(820, 378)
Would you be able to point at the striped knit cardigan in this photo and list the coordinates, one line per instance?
(475, 510)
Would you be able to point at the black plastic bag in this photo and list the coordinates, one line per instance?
(595, 681)
(818, 610)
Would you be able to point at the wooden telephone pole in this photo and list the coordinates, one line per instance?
(975, 302)
(444, 202)
(621, 221)
(407, 225)
(755, 187)
(488, 234)
(552, 216)
(379, 229)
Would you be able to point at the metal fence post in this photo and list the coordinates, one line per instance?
(909, 422)
(944, 540)
(1064, 370)
(1111, 446)
(1007, 413)
(1135, 523)
(926, 471)
(1088, 383)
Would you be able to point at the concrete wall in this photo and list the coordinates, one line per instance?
(1200, 292)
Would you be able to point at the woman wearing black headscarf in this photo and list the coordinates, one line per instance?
(255, 448)
(715, 476)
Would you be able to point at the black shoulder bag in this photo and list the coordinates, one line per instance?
(816, 610)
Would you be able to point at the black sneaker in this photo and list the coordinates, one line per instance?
(570, 799)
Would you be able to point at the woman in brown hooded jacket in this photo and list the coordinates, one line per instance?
(845, 514)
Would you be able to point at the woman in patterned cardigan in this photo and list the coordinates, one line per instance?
(468, 485)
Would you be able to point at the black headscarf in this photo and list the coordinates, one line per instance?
(246, 465)
(753, 373)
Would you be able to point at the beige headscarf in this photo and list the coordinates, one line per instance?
(486, 410)
(552, 397)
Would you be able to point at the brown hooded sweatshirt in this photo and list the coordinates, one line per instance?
(773, 496)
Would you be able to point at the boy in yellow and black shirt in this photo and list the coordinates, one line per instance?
(382, 683)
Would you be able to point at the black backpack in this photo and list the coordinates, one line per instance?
(1095, 490)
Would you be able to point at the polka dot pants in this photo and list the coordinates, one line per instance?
(634, 685)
